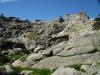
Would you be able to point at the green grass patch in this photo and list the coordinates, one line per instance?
(94, 73)
(2, 63)
(34, 71)
(76, 66)
(15, 56)
(10, 58)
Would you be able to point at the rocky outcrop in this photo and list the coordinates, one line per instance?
(76, 23)
(26, 72)
(76, 43)
(68, 40)
(57, 61)
(7, 70)
(5, 45)
(91, 69)
(82, 43)
(68, 71)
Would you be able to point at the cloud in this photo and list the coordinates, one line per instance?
(4, 1)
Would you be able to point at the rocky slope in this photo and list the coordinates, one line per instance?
(70, 43)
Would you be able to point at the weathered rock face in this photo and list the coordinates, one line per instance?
(26, 72)
(5, 45)
(75, 43)
(34, 57)
(91, 69)
(67, 71)
(64, 41)
(76, 23)
(7, 70)
(81, 43)
(56, 61)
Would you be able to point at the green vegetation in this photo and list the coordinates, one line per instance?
(76, 66)
(97, 23)
(3, 60)
(10, 57)
(94, 73)
(15, 56)
(34, 71)
(2, 16)
(2, 63)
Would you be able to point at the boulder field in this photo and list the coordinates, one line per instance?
(63, 44)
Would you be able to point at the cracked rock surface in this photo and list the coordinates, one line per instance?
(68, 40)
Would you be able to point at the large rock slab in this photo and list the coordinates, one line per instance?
(91, 69)
(76, 23)
(67, 71)
(56, 61)
(7, 70)
(81, 43)
(55, 49)
(34, 57)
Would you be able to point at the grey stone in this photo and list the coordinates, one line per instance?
(56, 61)
(26, 72)
(9, 69)
(67, 71)
(38, 48)
(80, 43)
(34, 57)
(91, 69)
